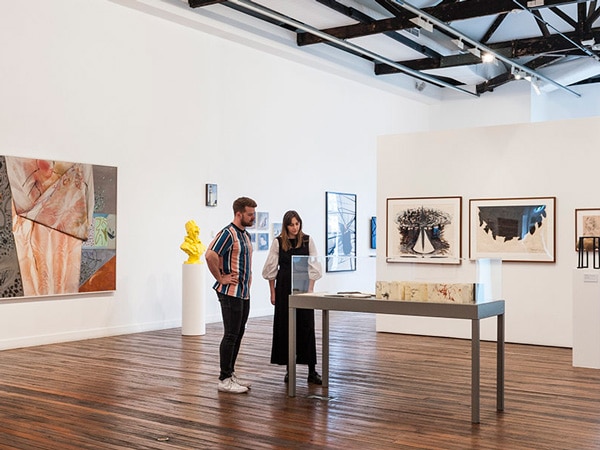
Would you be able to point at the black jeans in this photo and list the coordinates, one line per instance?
(235, 315)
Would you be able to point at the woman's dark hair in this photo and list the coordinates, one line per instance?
(285, 239)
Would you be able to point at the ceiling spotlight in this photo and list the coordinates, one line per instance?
(422, 23)
(589, 42)
(459, 43)
(517, 73)
(488, 57)
(475, 51)
(535, 85)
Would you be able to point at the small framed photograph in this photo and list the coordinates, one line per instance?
(262, 221)
(587, 224)
(513, 229)
(263, 241)
(276, 229)
(211, 195)
(424, 230)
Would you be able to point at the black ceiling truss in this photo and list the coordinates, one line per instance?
(542, 50)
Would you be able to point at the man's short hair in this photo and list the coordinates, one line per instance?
(240, 204)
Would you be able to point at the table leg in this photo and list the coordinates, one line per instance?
(325, 348)
(500, 364)
(475, 370)
(292, 353)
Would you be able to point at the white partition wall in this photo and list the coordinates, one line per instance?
(586, 318)
(511, 161)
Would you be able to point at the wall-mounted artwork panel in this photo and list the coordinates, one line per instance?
(58, 227)
(340, 225)
(424, 230)
(513, 229)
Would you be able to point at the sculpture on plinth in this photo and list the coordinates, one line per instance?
(192, 244)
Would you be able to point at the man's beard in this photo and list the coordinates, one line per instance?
(247, 224)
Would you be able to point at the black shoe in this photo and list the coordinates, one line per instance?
(315, 378)
(286, 378)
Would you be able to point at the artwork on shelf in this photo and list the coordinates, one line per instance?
(341, 231)
(57, 227)
(424, 230)
(262, 221)
(211, 195)
(373, 232)
(513, 229)
(587, 224)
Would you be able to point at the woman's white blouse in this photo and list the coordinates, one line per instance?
(271, 266)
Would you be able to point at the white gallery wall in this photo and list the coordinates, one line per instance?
(176, 104)
(550, 159)
(175, 108)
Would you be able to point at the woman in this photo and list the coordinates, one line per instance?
(278, 270)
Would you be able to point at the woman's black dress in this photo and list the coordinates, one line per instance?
(306, 349)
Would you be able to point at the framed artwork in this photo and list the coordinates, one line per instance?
(513, 229)
(211, 195)
(263, 241)
(373, 232)
(58, 227)
(424, 230)
(262, 221)
(276, 229)
(587, 223)
(340, 227)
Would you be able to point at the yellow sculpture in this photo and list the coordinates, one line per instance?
(192, 244)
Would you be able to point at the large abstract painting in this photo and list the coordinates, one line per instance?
(513, 229)
(424, 230)
(57, 227)
(341, 231)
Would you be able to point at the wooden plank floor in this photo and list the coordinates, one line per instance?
(387, 391)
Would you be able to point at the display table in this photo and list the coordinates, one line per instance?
(473, 312)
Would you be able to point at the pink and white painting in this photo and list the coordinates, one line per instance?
(57, 227)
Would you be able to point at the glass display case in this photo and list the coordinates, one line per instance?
(471, 281)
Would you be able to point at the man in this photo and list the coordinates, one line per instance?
(229, 259)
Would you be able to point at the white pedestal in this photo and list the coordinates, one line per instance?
(586, 318)
(192, 310)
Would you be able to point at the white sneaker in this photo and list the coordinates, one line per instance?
(229, 385)
(243, 383)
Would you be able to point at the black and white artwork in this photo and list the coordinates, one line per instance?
(424, 229)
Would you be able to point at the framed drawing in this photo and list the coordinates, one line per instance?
(340, 229)
(276, 229)
(262, 221)
(262, 240)
(211, 195)
(513, 229)
(424, 230)
(587, 223)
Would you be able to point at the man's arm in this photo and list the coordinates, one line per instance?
(212, 261)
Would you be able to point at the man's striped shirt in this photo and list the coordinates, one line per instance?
(234, 248)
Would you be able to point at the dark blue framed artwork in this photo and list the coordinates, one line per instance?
(373, 232)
